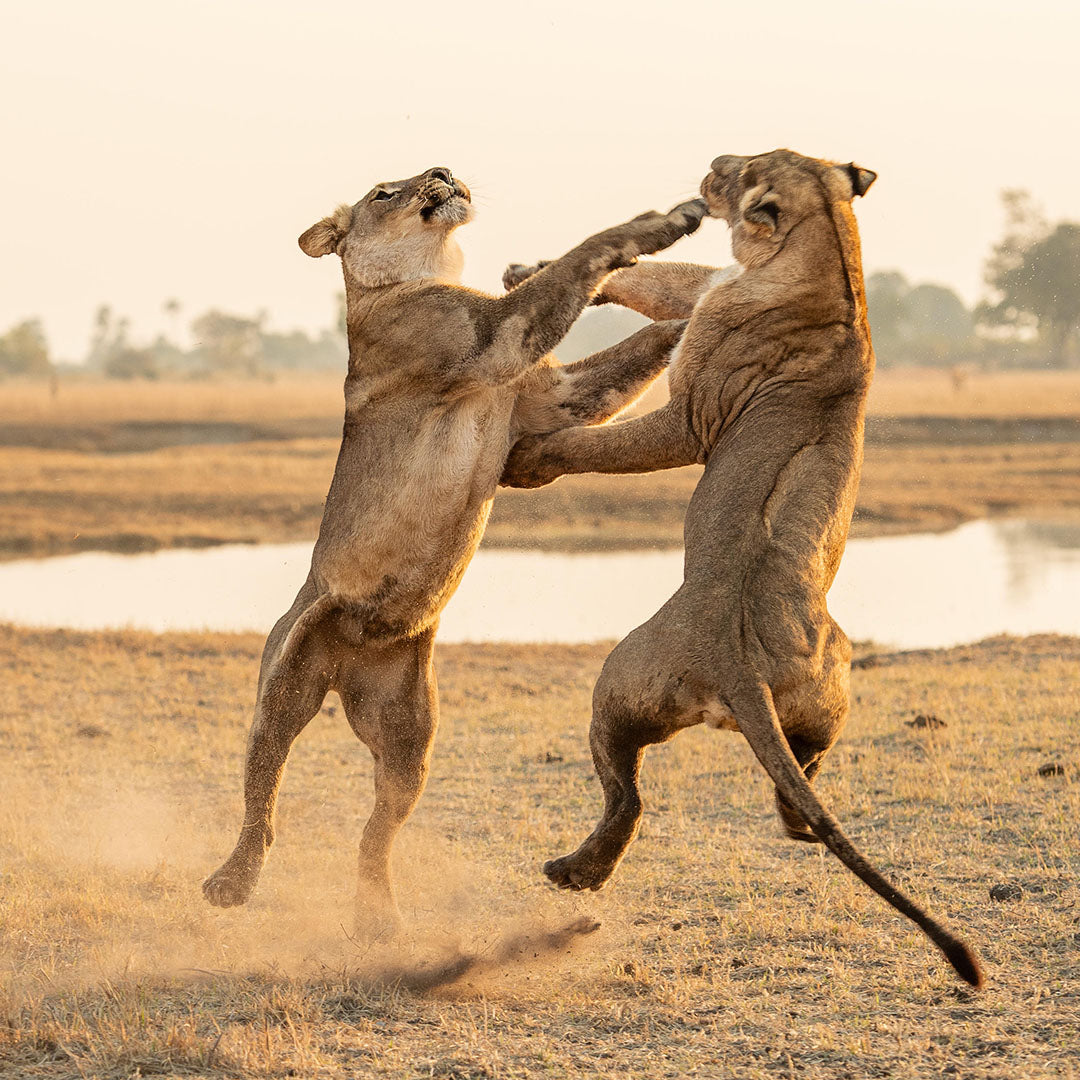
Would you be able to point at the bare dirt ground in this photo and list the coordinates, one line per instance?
(723, 949)
(128, 467)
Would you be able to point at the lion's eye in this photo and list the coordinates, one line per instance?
(382, 195)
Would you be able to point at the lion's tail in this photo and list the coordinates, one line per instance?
(756, 716)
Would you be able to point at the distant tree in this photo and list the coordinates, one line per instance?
(23, 350)
(131, 362)
(1033, 274)
(101, 338)
(885, 292)
(229, 343)
(935, 312)
(295, 351)
(167, 356)
(112, 353)
(924, 323)
(172, 309)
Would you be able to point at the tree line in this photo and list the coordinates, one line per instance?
(224, 344)
(1029, 317)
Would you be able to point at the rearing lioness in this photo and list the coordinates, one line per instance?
(441, 381)
(768, 390)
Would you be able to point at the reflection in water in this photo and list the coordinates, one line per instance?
(907, 591)
(1024, 543)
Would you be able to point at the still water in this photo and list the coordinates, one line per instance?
(911, 591)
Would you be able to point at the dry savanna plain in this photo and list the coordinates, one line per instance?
(138, 466)
(719, 950)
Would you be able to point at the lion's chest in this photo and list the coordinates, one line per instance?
(411, 497)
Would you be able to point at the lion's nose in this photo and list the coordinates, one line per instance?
(726, 163)
(442, 174)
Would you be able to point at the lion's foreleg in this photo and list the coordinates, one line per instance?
(659, 290)
(547, 303)
(600, 386)
(659, 440)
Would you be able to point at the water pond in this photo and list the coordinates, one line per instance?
(910, 591)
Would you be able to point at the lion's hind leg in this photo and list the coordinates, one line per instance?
(636, 703)
(298, 665)
(812, 716)
(809, 755)
(391, 702)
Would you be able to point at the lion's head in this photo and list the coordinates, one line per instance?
(764, 197)
(399, 231)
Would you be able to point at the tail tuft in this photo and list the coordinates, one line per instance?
(963, 959)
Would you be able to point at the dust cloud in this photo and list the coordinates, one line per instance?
(524, 948)
(104, 884)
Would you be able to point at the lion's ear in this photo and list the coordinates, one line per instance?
(860, 178)
(761, 209)
(324, 236)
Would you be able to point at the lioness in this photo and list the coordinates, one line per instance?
(768, 390)
(441, 380)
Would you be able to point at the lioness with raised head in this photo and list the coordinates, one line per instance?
(441, 381)
(768, 391)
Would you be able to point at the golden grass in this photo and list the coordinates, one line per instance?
(896, 392)
(62, 500)
(81, 401)
(724, 950)
(967, 393)
(187, 481)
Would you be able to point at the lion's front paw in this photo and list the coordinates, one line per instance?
(690, 214)
(516, 273)
(652, 232)
(526, 466)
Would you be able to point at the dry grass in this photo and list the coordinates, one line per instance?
(724, 950)
(998, 394)
(62, 501)
(896, 392)
(89, 402)
(251, 462)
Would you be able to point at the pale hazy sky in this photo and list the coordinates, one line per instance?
(165, 149)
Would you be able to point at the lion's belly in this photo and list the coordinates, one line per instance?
(399, 538)
(405, 558)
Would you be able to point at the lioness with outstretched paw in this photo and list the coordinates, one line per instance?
(441, 381)
(768, 391)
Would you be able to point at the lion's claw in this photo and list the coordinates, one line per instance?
(693, 212)
(566, 874)
(516, 273)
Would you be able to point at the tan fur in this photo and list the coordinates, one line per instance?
(441, 381)
(768, 390)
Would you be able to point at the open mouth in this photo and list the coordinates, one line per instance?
(435, 203)
(444, 196)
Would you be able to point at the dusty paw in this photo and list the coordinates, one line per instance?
(571, 872)
(516, 273)
(229, 887)
(689, 215)
(376, 927)
(653, 232)
(526, 467)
